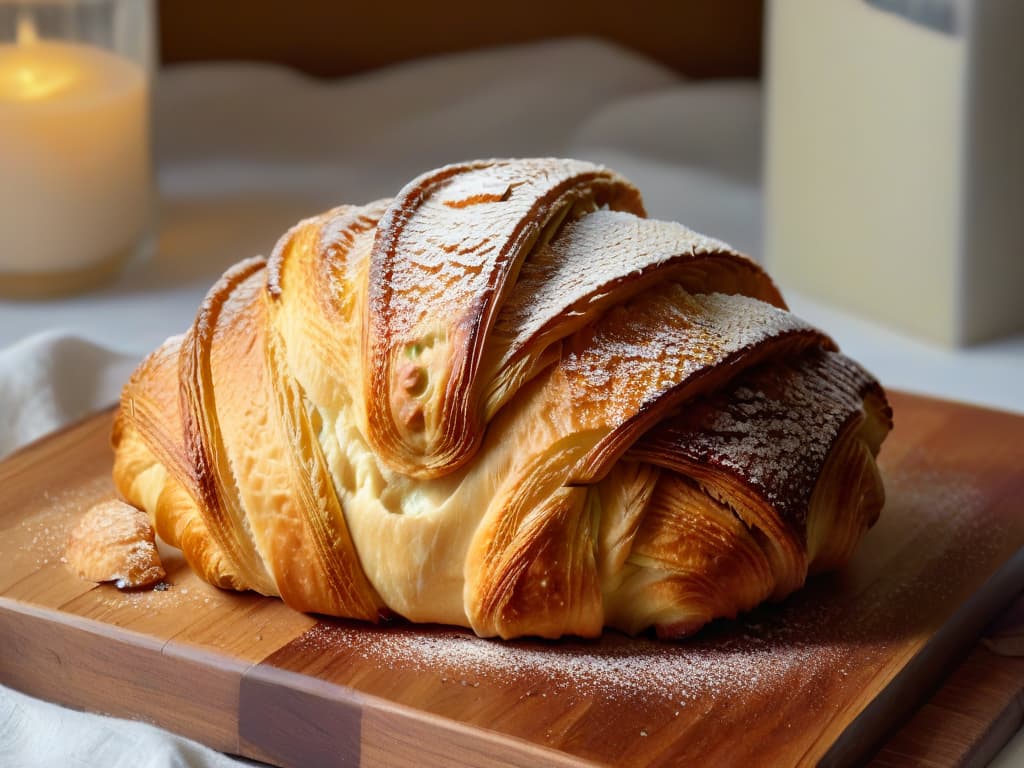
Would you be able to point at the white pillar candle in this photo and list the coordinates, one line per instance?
(75, 173)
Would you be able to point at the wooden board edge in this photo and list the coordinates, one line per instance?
(280, 712)
(925, 673)
(972, 717)
(88, 665)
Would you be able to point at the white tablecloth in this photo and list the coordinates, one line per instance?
(246, 150)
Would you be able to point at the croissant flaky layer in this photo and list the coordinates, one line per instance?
(508, 401)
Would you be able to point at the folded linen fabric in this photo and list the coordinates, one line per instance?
(35, 734)
(51, 379)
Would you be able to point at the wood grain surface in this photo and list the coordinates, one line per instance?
(824, 676)
(977, 710)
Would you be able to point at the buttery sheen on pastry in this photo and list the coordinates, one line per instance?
(505, 400)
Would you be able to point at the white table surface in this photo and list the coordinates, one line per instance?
(244, 151)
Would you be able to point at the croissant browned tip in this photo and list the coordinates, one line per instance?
(506, 400)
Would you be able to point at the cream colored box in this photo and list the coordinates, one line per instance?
(894, 174)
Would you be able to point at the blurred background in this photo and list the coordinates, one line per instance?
(868, 152)
(697, 38)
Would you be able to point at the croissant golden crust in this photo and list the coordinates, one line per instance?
(446, 251)
(504, 400)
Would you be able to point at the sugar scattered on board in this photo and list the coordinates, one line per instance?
(793, 646)
(619, 667)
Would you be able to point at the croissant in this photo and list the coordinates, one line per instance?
(505, 400)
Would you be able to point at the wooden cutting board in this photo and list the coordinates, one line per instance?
(824, 676)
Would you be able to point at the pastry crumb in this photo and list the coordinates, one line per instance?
(115, 542)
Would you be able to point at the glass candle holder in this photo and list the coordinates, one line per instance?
(76, 178)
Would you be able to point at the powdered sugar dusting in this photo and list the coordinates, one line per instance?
(448, 238)
(771, 649)
(170, 597)
(935, 508)
(42, 536)
(618, 666)
(639, 350)
(442, 255)
(773, 427)
(601, 252)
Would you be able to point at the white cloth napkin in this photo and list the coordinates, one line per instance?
(52, 379)
(34, 734)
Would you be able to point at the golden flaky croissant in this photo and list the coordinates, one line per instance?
(504, 400)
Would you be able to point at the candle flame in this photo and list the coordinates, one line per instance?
(34, 84)
(34, 73)
(27, 34)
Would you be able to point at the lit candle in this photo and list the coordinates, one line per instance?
(74, 157)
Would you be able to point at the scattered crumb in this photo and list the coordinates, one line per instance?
(115, 542)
